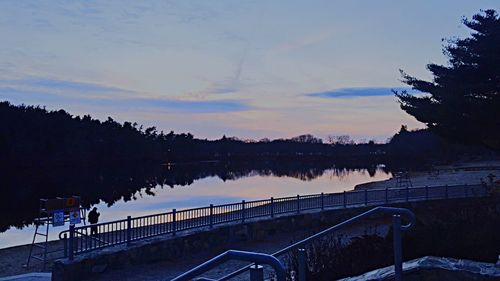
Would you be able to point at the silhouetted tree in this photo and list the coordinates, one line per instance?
(462, 102)
(307, 139)
(340, 140)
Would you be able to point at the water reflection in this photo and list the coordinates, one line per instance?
(144, 189)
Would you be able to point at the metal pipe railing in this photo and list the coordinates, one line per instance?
(387, 210)
(258, 258)
(137, 228)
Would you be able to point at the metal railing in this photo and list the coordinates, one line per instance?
(257, 273)
(82, 239)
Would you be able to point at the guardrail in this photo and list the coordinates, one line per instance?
(257, 273)
(78, 240)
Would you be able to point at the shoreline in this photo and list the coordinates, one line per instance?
(485, 172)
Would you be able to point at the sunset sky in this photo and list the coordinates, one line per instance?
(250, 69)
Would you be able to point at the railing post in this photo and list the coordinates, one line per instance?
(345, 200)
(211, 218)
(426, 193)
(322, 201)
(407, 193)
(71, 244)
(243, 211)
(298, 204)
(65, 239)
(366, 197)
(129, 229)
(272, 207)
(302, 258)
(386, 195)
(446, 191)
(398, 251)
(174, 221)
(256, 273)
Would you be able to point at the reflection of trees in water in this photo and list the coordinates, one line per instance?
(22, 188)
(343, 173)
(304, 175)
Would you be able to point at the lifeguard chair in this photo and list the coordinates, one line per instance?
(55, 212)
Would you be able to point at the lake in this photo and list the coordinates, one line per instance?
(188, 191)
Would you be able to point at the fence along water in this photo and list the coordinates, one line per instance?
(77, 240)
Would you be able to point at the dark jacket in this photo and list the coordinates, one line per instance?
(94, 216)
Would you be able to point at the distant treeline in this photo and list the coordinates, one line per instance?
(32, 136)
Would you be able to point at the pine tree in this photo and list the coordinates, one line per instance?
(462, 102)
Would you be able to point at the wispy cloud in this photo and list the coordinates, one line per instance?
(228, 85)
(65, 85)
(358, 92)
(191, 106)
(40, 91)
(231, 84)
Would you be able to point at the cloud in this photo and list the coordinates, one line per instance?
(28, 96)
(228, 85)
(214, 106)
(43, 97)
(231, 84)
(359, 92)
(65, 85)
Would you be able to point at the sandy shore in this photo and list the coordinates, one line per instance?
(13, 259)
(463, 173)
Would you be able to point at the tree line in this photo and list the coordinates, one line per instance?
(33, 136)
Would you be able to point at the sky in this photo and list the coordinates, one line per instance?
(250, 69)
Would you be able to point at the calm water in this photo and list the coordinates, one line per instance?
(214, 190)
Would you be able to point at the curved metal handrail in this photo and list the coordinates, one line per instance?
(387, 210)
(235, 255)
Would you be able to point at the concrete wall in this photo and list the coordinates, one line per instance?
(217, 239)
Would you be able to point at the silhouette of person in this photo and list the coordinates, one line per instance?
(93, 219)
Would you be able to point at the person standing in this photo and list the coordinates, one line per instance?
(93, 219)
